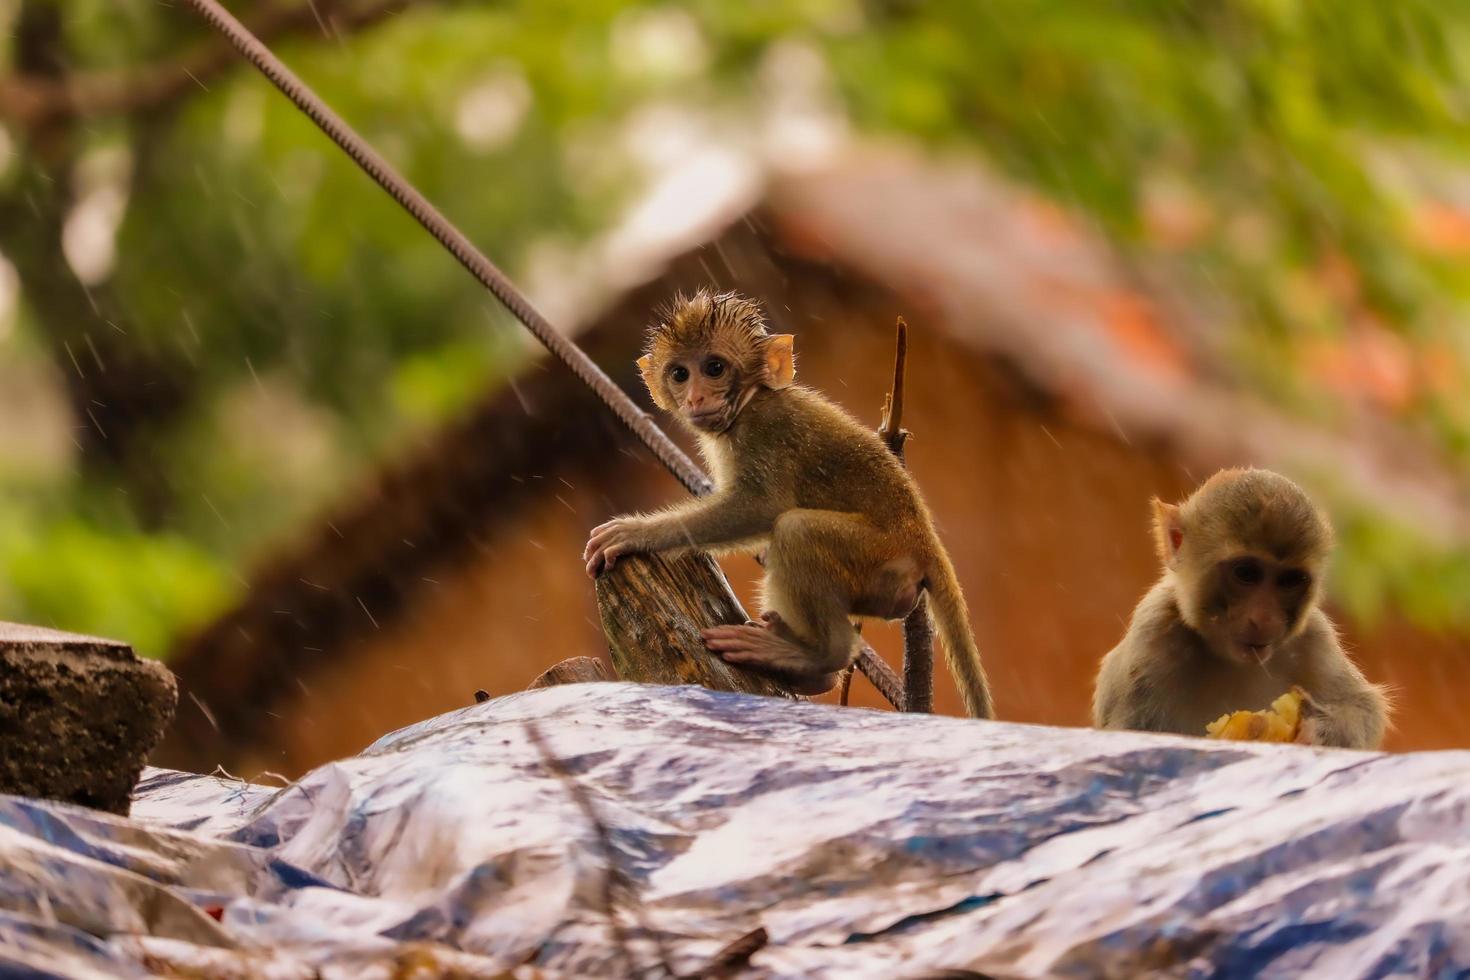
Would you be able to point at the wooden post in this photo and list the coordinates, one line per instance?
(653, 609)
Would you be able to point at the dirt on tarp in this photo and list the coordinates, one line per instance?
(78, 716)
(864, 844)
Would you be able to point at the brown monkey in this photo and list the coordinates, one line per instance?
(845, 531)
(1234, 622)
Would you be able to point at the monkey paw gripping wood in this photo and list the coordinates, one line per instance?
(1282, 722)
(653, 609)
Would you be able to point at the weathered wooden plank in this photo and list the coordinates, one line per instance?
(573, 670)
(653, 608)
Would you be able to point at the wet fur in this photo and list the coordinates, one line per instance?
(1167, 675)
(842, 523)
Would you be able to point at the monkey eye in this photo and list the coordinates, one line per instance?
(1247, 571)
(714, 367)
(1292, 578)
(679, 374)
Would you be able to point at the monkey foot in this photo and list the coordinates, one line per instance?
(755, 646)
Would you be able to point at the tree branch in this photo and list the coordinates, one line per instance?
(891, 427)
(30, 101)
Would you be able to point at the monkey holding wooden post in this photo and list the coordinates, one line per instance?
(1234, 621)
(845, 530)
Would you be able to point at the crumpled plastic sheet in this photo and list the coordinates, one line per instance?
(867, 844)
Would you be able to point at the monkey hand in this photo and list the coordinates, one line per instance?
(1309, 727)
(608, 542)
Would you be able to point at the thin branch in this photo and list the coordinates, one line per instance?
(31, 101)
(735, 957)
(918, 659)
(891, 428)
(918, 628)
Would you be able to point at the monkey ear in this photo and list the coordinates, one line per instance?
(780, 361)
(650, 380)
(1168, 531)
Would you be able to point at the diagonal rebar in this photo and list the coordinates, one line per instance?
(444, 232)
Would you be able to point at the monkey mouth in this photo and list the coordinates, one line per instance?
(713, 421)
(1257, 652)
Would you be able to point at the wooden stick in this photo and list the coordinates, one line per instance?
(918, 627)
(891, 428)
(918, 659)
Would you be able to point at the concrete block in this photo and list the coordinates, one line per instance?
(78, 716)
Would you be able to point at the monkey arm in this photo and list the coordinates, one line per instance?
(1138, 681)
(720, 520)
(1351, 712)
(1108, 708)
(1128, 696)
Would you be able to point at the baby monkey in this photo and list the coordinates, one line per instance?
(1234, 621)
(845, 531)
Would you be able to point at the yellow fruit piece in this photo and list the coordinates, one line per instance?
(1278, 723)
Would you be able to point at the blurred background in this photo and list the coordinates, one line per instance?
(255, 422)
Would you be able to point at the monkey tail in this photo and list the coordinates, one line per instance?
(947, 602)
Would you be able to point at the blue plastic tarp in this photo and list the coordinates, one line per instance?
(866, 844)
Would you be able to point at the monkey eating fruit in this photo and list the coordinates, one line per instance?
(1282, 722)
(1234, 621)
(843, 526)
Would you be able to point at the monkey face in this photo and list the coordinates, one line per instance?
(706, 388)
(709, 355)
(1244, 552)
(1258, 603)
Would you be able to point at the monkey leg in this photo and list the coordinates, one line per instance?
(892, 591)
(819, 564)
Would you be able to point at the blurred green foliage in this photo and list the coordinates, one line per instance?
(101, 577)
(318, 327)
